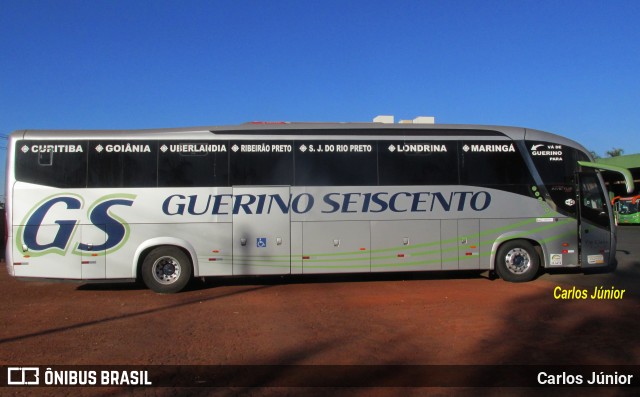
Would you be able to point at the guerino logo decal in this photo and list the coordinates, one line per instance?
(552, 152)
(61, 214)
(374, 202)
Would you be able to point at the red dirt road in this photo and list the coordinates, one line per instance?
(423, 319)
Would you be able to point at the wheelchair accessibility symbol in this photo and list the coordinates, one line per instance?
(261, 242)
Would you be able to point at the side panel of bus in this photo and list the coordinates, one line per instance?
(261, 231)
(406, 245)
(336, 247)
(42, 232)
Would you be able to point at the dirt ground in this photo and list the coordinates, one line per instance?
(398, 319)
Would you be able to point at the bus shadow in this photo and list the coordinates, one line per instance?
(112, 286)
(210, 282)
(338, 278)
(200, 283)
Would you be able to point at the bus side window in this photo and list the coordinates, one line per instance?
(336, 163)
(61, 164)
(261, 163)
(178, 167)
(495, 164)
(122, 164)
(418, 163)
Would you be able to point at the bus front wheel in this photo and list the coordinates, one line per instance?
(166, 270)
(517, 261)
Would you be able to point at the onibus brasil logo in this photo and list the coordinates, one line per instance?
(51, 225)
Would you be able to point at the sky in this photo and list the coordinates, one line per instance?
(568, 67)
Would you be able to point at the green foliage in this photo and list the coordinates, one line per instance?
(614, 152)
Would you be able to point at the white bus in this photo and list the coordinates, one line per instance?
(168, 205)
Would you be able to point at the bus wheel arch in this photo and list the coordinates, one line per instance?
(165, 269)
(518, 260)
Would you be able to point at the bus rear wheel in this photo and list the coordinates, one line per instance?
(166, 270)
(517, 261)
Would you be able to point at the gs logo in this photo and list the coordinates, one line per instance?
(69, 206)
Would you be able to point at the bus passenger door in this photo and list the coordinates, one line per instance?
(595, 223)
(261, 230)
(92, 257)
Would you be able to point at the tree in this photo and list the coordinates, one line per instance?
(615, 152)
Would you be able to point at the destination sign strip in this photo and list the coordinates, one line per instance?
(421, 147)
(303, 147)
(193, 147)
(263, 147)
(336, 148)
(52, 148)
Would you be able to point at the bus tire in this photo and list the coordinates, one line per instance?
(517, 261)
(166, 270)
